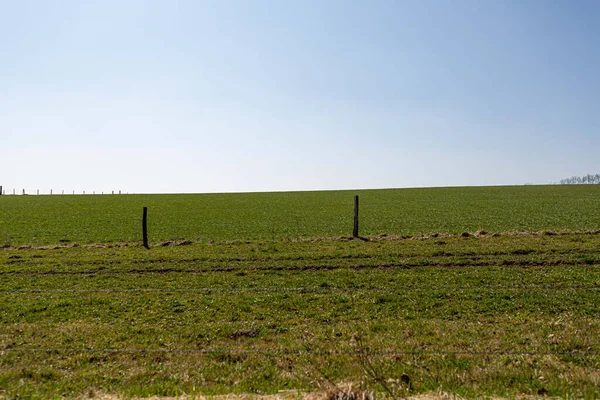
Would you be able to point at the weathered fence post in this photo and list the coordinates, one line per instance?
(355, 232)
(145, 227)
(0, 190)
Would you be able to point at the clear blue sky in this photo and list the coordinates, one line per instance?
(262, 95)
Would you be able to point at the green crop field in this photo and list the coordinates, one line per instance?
(43, 220)
(272, 295)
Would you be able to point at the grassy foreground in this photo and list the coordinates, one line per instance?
(48, 220)
(474, 316)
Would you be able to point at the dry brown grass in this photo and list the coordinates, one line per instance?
(344, 392)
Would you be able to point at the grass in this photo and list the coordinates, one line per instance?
(473, 316)
(45, 220)
(271, 296)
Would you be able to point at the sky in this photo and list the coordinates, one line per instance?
(195, 96)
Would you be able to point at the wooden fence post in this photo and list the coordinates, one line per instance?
(145, 227)
(355, 232)
(0, 190)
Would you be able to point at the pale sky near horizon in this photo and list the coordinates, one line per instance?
(257, 95)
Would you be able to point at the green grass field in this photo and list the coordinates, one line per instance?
(43, 220)
(256, 304)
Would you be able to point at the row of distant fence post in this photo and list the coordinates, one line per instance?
(145, 223)
(38, 191)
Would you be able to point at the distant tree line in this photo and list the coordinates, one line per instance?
(581, 180)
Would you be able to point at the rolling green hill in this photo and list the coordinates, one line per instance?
(42, 220)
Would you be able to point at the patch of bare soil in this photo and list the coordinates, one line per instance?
(380, 237)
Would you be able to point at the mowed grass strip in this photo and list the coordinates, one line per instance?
(472, 316)
(44, 220)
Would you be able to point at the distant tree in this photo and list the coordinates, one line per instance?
(581, 180)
